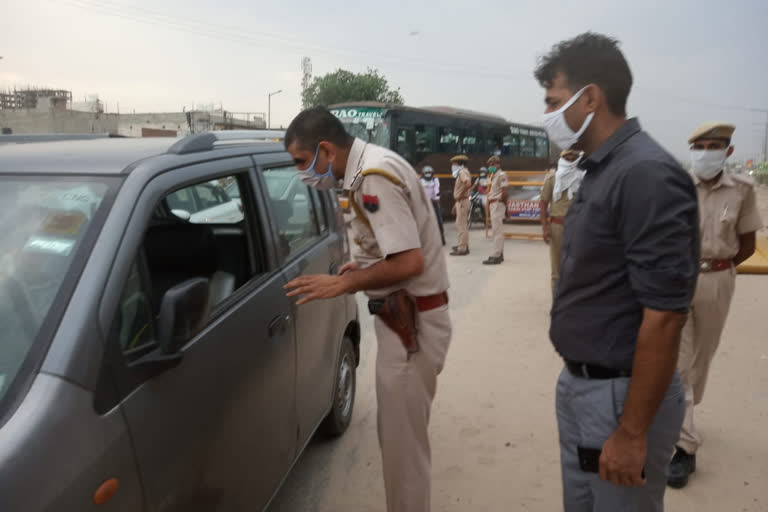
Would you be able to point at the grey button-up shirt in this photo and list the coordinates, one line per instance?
(631, 241)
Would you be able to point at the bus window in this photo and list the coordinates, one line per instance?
(512, 145)
(426, 139)
(470, 143)
(542, 147)
(405, 143)
(527, 145)
(449, 141)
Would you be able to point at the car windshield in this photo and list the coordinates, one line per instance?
(43, 224)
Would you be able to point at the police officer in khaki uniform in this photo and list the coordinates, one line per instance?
(497, 205)
(461, 207)
(396, 251)
(729, 218)
(556, 197)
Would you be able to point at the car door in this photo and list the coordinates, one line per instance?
(306, 246)
(217, 430)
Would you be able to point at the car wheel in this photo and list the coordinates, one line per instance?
(344, 388)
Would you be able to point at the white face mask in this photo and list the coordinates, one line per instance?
(565, 165)
(707, 163)
(557, 127)
(455, 170)
(311, 178)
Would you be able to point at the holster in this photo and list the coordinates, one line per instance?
(398, 312)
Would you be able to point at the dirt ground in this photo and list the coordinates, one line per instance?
(493, 428)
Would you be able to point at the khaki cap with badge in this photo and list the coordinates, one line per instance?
(713, 130)
(460, 159)
(494, 160)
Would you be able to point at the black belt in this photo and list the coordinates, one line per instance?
(591, 371)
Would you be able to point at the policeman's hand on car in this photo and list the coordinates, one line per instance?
(623, 458)
(318, 286)
(349, 267)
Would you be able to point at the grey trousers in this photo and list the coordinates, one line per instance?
(588, 411)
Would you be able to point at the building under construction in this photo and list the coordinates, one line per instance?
(33, 98)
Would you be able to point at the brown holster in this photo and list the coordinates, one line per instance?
(398, 312)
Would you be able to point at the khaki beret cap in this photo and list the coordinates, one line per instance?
(460, 158)
(494, 159)
(716, 130)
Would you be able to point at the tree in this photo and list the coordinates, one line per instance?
(342, 85)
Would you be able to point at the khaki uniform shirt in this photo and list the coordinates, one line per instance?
(726, 210)
(498, 184)
(556, 208)
(404, 219)
(463, 182)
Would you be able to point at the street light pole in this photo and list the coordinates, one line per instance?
(269, 107)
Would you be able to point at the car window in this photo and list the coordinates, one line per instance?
(208, 203)
(293, 208)
(43, 225)
(319, 198)
(176, 249)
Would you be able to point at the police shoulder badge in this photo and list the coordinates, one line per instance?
(371, 203)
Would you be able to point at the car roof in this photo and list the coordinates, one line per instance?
(109, 155)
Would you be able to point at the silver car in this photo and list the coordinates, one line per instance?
(150, 361)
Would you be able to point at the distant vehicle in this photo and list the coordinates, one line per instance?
(431, 136)
(149, 358)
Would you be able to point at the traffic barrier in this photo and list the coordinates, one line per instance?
(522, 210)
(758, 262)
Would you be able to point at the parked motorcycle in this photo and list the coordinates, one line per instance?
(476, 208)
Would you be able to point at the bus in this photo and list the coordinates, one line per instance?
(432, 135)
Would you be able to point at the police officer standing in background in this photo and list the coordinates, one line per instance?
(497, 199)
(461, 205)
(729, 219)
(431, 186)
(559, 189)
(397, 260)
(629, 266)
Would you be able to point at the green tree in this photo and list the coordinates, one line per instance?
(343, 85)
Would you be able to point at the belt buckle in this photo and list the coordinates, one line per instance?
(705, 266)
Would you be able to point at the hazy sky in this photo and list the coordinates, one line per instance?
(690, 58)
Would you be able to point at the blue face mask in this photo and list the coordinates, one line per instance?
(311, 178)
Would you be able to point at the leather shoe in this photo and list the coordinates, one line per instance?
(457, 252)
(682, 465)
(493, 260)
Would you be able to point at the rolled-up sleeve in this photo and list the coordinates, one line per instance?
(392, 222)
(659, 227)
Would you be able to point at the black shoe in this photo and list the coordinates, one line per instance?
(493, 260)
(502, 258)
(682, 465)
(456, 252)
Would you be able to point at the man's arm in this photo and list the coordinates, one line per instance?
(746, 248)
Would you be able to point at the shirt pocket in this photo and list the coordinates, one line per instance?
(726, 218)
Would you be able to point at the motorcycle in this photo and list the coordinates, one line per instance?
(476, 209)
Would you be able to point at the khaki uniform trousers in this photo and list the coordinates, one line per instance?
(555, 245)
(405, 388)
(498, 209)
(699, 341)
(462, 223)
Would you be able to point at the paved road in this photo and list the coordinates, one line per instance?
(493, 428)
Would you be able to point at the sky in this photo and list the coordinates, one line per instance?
(693, 60)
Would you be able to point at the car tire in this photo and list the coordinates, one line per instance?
(344, 387)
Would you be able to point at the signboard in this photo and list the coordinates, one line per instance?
(359, 114)
(519, 130)
(523, 209)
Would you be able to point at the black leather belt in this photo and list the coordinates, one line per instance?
(591, 371)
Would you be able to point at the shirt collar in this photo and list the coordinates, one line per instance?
(628, 129)
(355, 154)
(725, 180)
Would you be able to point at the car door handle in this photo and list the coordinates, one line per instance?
(278, 324)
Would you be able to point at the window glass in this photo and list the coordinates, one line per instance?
(136, 329)
(527, 145)
(43, 225)
(512, 145)
(449, 140)
(405, 143)
(368, 124)
(209, 202)
(426, 139)
(319, 199)
(470, 142)
(293, 209)
(542, 147)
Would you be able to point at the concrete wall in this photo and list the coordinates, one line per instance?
(56, 121)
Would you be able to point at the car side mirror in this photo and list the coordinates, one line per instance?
(182, 214)
(183, 313)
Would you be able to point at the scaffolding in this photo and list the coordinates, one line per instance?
(29, 98)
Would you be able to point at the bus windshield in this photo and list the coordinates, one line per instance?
(366, 123)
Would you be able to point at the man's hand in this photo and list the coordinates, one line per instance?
(453, 210)
(352, 266)
(546, 232)
(318, 286)
(623, 458)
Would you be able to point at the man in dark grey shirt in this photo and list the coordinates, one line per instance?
(627, 275)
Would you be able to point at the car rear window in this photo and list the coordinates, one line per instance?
(43, 222)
